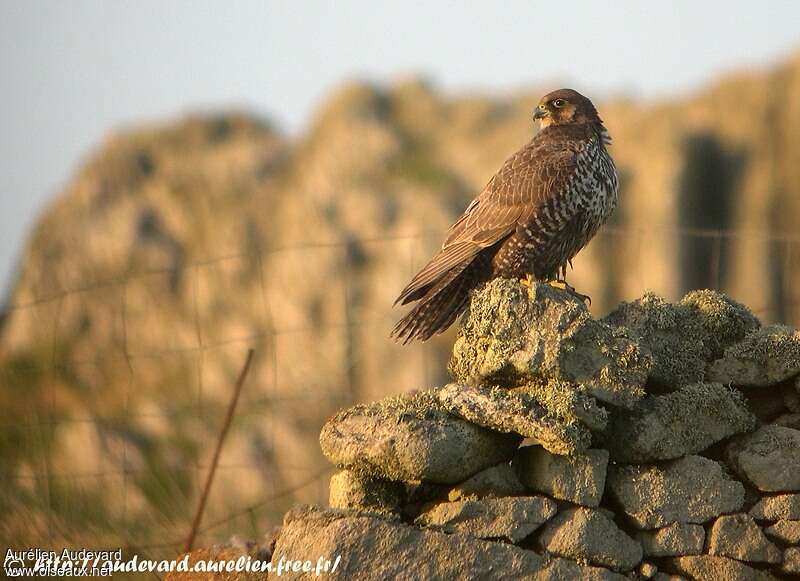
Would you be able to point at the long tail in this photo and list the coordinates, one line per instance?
(438, 307)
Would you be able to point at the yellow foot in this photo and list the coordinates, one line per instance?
(564, 285)
(528, 281)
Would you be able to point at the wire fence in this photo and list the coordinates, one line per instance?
(113, 388)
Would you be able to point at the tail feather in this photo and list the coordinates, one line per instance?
(438, 308)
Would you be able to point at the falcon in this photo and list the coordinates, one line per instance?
(546, 202)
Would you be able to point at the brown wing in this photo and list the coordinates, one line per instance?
(527, 179)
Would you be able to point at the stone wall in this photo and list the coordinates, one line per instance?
(660, 442)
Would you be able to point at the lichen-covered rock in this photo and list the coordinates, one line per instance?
(764, 357)
(568, 401)
(580, 479)
(673, 335)
(777, 507)
(504, 411)
(495, 481)
(374, 549)
(785, 531)
(510, 518)
(683, 422)
(410, 438)
(769, 458)
(690, 490)
(723, 320)
(352, 491)
(587, 534)
(677, 539)
(714, 568)
(513, 334)
(788, 421)
(791, 561)
(739, 537)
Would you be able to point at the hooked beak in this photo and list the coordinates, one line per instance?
(540, 113)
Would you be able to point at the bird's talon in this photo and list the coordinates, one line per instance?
(564, 285)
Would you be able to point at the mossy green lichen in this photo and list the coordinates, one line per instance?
(683, 422)
(412, 437)
(723, 320)
(515, 412)
(673, 335)
(567, 401)
(765, 356)
(514, 334)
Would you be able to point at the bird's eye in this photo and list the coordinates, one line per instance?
(559, 103)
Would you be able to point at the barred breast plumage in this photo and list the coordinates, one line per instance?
(542, 207)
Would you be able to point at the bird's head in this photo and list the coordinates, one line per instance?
(565, 107)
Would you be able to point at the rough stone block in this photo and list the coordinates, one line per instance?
(677, 539)
(511, 518)
(587, 534)
(411, 438)
(690, 490)
(580, 479)
(764, 357)
(513, 334)
(683, 422)
(739, 537)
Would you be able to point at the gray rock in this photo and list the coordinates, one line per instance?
(580, 479)
(376, 549)
(587, 534)
(513, 334)
(679, 423)
(568, 401)
(673, 335)
(777, 507)
(785, 531)
(690, 490)
(675, 540)
(511, 518)
(499, 480)
(764, 357)
(739, 537)
(352, 491)
(504, 411)
(769, 458)
(710, 567)
(788, 421)
(791, 561)
(411, 438)
(723, 320)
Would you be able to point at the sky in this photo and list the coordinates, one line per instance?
(72, 71)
